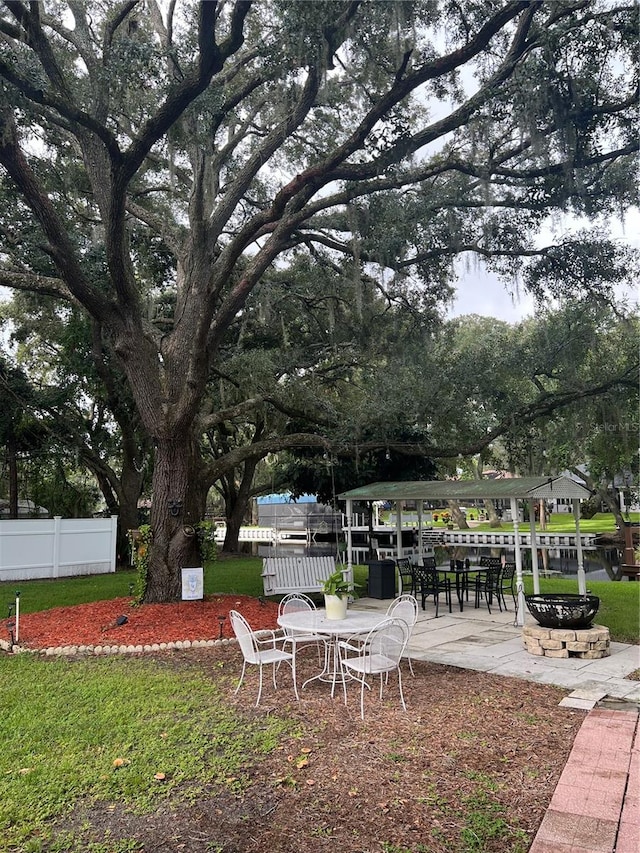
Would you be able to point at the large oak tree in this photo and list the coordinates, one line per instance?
(233, 136)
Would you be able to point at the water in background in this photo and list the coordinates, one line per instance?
(600, 564)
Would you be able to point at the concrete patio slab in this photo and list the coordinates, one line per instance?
(596, 805)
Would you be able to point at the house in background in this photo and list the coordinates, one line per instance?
(283, 512)
(26, 509)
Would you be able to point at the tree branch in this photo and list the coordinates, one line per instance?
(30, 282)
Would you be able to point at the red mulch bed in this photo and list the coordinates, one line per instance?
(95, 624)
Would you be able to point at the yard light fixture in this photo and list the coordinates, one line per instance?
(221, 621)
(11, 624)
(16, 638)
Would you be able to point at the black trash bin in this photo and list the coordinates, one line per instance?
(382, 579)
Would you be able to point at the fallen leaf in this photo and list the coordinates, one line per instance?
(119, 762)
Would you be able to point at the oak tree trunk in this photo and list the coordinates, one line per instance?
(236, 508)
(492, 515)
(178, 506)
(457, 516)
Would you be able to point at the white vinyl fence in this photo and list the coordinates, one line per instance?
(57, 547)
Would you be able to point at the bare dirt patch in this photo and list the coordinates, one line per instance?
(471, 766)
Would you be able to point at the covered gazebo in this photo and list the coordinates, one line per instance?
(513, 489)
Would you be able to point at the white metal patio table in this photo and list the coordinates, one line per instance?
(315, 621)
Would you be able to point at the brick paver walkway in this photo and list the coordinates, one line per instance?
(596, 805)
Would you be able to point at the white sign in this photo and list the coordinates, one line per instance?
(192, 584)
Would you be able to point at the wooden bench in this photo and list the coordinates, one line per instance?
(630, 571)
(281, 575)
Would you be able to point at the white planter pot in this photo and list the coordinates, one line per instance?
(336, 607)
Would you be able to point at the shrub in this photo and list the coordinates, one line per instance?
(206, 532)
(140, 540)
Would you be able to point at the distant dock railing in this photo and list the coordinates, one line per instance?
(266, 534)
(543, 540)
(431, 537)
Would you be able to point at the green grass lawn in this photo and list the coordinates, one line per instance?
(559, 522)
(619, 601)
(102, 728)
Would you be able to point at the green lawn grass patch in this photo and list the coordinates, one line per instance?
(619, 603)
(65, 723)
(559, 522)
(65, 592)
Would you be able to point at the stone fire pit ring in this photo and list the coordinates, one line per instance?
(563, 610)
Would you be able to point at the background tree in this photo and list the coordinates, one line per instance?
(82, 400)
(38, 467)
(595, 437)
(238, 134)
(18, 432)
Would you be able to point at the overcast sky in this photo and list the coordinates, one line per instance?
(480, 292)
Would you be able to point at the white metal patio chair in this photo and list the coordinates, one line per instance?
(405, 607)
(380, 654)
(296, 602)
(260, 652)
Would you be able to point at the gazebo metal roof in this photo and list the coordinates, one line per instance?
(520, 488)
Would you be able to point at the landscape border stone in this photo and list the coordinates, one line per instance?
(72, 651)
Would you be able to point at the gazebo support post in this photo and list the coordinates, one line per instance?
(582, 578)
(420, 523)
(399, 508)
(534, 547)
(349, 511)
(519, 584)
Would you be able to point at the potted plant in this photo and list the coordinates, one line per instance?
(336, 594)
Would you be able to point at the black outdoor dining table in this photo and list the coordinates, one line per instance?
(462, 574)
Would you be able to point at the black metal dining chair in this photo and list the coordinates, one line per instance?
(406, 576)
(507, 583)
(487, 585)
(431, 582)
